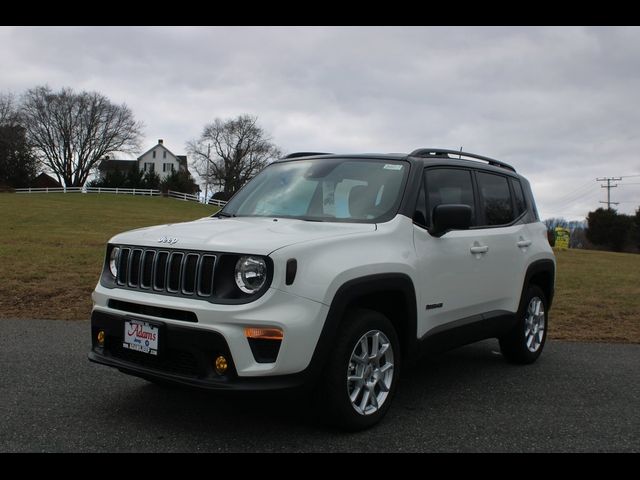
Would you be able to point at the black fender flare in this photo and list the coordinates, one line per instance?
(541, 266)
(359, 287)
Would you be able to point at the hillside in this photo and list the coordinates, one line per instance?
(52, 247)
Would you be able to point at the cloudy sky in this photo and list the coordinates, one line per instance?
(560, 104)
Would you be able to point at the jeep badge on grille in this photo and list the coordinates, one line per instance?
(169, 240)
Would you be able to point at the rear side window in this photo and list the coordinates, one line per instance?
(518, 196)
(448, 185)
(495, 199)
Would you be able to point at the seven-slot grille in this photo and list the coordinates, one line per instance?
(185, 273)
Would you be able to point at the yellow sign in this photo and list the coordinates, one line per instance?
(562, 238)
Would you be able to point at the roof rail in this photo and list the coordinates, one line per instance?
(305, 154)
(439, 152)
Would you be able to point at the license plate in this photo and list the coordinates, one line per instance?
(141, 336)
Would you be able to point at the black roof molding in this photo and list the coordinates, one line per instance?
(305, 154)
(443, 153)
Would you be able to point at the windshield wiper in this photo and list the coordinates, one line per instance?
(225, 214)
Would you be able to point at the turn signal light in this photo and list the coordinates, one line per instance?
(221, 365)
(101, 338)
(263, 333)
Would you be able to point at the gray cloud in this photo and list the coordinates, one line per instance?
(558, 103)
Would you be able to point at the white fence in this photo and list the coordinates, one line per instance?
(125, 191)
(194, 198)
(50, 190)
(118, 191)
(183, 196)
(122, 191)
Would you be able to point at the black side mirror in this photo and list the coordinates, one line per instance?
(448, 217)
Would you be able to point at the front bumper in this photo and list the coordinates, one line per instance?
(217, 328)
(186, 356)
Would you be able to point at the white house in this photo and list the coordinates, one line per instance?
(158, 159)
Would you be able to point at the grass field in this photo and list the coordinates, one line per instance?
(597, 296)
(52, 247)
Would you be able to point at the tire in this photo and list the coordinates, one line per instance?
(525, 342)
(340, 378)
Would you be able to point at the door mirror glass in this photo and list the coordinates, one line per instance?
(450, 216)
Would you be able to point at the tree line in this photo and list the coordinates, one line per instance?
(604, 229)
(68, 133)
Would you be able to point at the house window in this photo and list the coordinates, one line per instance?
(154, 154)
(164, 154)
(149, 166)
(167, 167)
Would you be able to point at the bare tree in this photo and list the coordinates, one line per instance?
(72, 131)
(230, 152)
(8, 111)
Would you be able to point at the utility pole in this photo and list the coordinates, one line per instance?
(206, 181)
(608, 186)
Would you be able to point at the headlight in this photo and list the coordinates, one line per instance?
(251, 274)
(113, 261)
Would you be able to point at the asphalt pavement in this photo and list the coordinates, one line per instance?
(577, 397)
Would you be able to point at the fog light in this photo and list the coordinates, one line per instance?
(221, 365)
(101, 338)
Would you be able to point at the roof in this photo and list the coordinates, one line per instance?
(45, 181)
(157, 145)
(422, 156)
(182, 160)
(112, 163)
(361, 156)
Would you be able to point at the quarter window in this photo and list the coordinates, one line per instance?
(420, 214)
(495, 199)
(521, 205)
(448, 186)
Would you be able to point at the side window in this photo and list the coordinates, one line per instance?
(154, 154)
(495, 199)
(448, 185)
(521, 205)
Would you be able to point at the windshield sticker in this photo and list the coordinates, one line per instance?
(392, 166)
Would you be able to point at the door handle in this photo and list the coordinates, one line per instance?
(524, 243)
(479, 249)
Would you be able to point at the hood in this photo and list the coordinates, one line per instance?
(256, 235)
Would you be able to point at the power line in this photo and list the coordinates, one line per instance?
(566, 196)
(608, 186)
(579, 197)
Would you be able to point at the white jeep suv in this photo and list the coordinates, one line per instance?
(333, 271)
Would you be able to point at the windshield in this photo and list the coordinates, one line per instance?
(324, 189)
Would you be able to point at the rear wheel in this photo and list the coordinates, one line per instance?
(361, 377)
(524, 343)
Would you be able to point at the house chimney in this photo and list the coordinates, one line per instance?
(160, 141)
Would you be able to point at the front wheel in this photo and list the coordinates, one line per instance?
(524, 343)
(361, 377)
